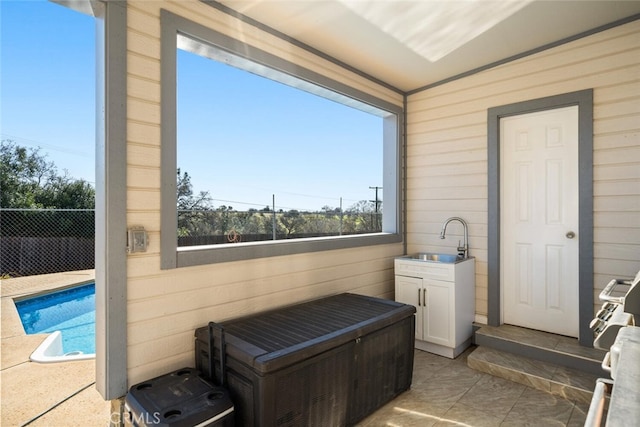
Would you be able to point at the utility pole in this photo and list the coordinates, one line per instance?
(274, 216)
(377, 202)
(341, 216)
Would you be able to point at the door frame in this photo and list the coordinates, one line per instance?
(584, 100)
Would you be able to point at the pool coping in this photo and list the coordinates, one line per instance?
(31, 285)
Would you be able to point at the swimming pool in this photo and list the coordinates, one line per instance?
(69, 315)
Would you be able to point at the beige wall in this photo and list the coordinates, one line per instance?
(446, 175)
(166, 306)
(447, 148)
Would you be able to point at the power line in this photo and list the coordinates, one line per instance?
(240, 203)
(280, 192)
(50, 147)
(262, 205)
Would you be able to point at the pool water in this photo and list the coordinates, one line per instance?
(71, 311)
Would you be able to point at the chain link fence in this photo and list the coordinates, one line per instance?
(219, 226)
(40, 241)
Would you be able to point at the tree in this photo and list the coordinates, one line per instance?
(362, 218)
(28, 180)
(194, 216)
(292, 221)
(186, 200)
(68, 193)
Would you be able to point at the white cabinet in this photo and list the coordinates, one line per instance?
(432, 299)
(444, 297)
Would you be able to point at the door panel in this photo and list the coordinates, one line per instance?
(408, 291)
(438, 327)
(539, 207)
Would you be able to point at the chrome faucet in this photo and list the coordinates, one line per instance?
(463, 250)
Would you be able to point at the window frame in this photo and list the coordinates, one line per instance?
(175, 28)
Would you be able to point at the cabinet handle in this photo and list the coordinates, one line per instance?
(418, 297)
(424, 297)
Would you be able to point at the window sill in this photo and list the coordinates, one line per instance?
(213, 254)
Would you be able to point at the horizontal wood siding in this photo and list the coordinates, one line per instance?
(447, 148)
(165, 307)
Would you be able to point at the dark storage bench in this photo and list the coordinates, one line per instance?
(328, 362)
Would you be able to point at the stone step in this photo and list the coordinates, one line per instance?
(547, 362)
(542, 346)
(552, 378)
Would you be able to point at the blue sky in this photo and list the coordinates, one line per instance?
(47, 82)
(261, 137)
(238, 146)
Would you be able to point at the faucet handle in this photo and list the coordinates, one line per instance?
(462, 251)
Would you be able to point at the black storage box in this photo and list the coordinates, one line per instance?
(182, 398)
(328, 362)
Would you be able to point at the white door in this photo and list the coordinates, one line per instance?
(539, 220)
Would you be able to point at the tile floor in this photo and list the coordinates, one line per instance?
(447, 392)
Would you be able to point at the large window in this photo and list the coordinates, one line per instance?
(266, 158)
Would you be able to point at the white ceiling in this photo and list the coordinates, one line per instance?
(415, 43)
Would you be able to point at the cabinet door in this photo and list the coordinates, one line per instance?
(438, 312)
(408, 291)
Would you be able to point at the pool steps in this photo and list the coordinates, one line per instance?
(50, 351)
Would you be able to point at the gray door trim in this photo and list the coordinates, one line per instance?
(584, 100)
